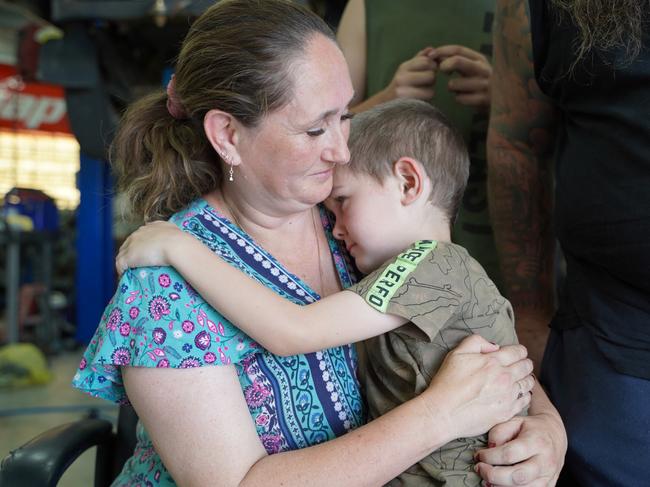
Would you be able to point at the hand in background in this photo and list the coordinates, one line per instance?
(472, 85)
(415, 78)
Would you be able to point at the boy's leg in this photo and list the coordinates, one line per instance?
(606, 414)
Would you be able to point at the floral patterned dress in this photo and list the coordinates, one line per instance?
(156, 319)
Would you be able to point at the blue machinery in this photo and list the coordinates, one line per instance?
(95, 279)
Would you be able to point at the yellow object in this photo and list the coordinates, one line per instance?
(48, 33)
(20, 222)
(23, 364)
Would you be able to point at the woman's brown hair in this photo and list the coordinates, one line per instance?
(236, 57)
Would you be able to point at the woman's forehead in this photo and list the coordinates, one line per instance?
(320, 79)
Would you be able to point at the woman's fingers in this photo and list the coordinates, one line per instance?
(475, 344)
(511, 354)
(521, 370)
(484, 385)
(525, 385)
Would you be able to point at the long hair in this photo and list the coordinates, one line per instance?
(237, 57)
(607, 25)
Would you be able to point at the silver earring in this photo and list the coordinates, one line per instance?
(226, 158)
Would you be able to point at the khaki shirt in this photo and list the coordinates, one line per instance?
(446, 296)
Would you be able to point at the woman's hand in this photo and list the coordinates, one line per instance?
(472, 85)
(415, 78)
(527, 450)
(149, 245)
(478, 386)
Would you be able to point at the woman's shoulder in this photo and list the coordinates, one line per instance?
(156, 319)
(192, 211)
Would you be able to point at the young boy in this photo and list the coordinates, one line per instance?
(404, 184)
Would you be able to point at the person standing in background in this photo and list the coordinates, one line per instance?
(437, 52)
(572, 84)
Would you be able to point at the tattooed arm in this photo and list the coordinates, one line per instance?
(527, 450)
(520, 139)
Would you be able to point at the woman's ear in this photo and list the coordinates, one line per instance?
(411, 177)
(222, 131)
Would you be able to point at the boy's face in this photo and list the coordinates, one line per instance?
(369, 216)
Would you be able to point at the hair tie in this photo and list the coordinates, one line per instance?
(174, 105)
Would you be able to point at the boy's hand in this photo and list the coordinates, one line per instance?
(149, 245)
(472, 85)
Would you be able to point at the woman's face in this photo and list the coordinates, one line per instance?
(288, 159)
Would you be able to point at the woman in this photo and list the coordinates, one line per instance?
(260, 95)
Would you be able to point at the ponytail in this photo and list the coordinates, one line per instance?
(163, 163)
(237, 57)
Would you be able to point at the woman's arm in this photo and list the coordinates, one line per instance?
(213, 442)
(279, 325)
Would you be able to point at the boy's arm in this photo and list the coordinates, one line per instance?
(280, 326)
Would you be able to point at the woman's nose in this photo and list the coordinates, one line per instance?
(338, 151)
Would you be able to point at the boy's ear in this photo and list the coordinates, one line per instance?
(222, 131)
(411, 176)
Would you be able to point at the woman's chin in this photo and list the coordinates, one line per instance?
(320, 194)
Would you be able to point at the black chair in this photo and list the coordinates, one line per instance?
(42, 461)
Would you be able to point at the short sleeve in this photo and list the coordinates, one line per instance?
(156, 319)
(433, 285)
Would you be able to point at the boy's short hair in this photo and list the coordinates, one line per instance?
(412, 128)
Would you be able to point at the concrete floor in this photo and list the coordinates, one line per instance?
(27, 412)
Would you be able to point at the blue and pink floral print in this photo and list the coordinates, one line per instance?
(156, 319)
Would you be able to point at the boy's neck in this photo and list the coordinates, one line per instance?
(439, 233)
(427, 225)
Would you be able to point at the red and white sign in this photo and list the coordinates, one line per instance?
(31, 106)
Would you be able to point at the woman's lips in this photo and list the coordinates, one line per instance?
(324, 173)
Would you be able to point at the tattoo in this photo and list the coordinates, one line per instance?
(520, 139)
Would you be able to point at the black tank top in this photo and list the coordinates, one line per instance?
(602, 193)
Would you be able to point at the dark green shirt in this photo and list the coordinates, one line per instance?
(396, 31)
